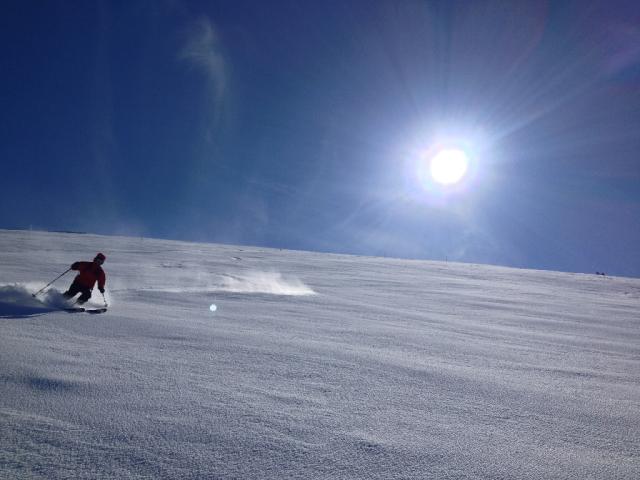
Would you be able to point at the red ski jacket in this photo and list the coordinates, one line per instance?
(90, 273)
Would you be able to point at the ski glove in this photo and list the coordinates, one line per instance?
(101, 289)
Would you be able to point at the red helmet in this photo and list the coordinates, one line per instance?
(101, 257)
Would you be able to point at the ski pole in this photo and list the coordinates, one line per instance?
(105, 300)
(62, 274)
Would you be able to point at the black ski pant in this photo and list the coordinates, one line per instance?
(74, 289)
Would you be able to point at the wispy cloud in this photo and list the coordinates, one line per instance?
(202, 49)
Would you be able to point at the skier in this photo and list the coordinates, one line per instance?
(90, 273)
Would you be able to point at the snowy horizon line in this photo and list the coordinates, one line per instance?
(325, 252)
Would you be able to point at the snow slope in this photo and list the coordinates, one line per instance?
(314, 366)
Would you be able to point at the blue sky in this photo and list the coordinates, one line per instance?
(300, 124)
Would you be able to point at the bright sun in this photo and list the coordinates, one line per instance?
(449, 166)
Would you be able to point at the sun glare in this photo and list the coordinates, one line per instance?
(449, 166)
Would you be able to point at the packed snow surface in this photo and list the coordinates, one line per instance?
(313, 366)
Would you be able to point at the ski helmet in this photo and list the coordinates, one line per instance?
(101, 257)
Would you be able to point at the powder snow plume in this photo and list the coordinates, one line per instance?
(265, 282)
(17, 299)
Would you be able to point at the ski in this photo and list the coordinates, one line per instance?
(86, 310)
(96, 310)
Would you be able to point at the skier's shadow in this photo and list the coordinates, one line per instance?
(13, 310)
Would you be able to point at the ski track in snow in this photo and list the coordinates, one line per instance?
(314, 366)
